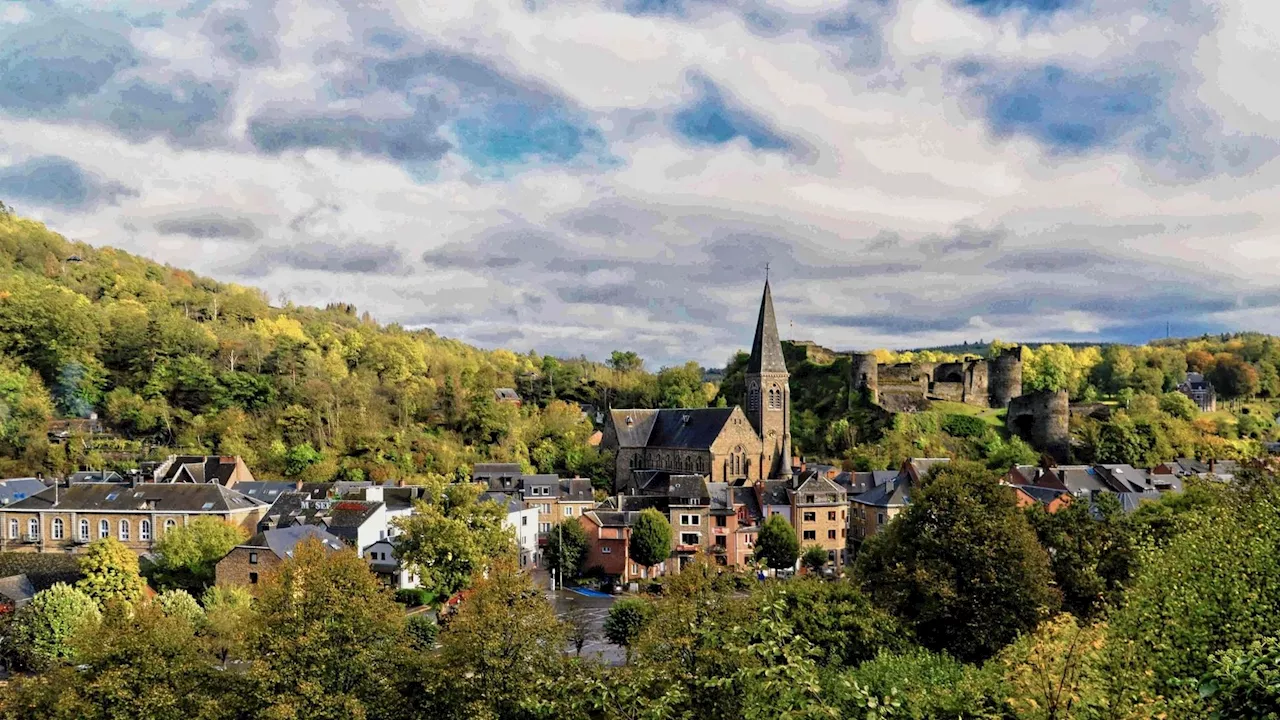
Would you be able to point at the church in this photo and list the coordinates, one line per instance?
(726, 445)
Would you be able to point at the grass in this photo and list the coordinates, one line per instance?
(990, 416)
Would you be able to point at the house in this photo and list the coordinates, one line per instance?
(871, 511)
(1052, 499)
(1201, 392)
(359, 523)
(384, 563)
(266, 491)
(263, 553)
(221, 469)
(15, 489)
(821, 509)
(498, 477)
(523, 521)
(15, 592)
(1190, 467)
(608, 548)
(507, 395)
(555, 499)
(64, 518)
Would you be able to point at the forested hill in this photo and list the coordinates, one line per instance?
(172, 362)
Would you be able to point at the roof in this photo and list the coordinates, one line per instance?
(1078, 479)
(766, 348)
(1196, 381)
(1042, 495)
(1131, 501)
(1023, 474)
(774, 492)
(113, 497)
(1125, 478)
(95, 476)
(262, 490)
(818, 486)
(282, 541)
(15, 489)
(510, 502)
(891, 494)
(17, 589)
(342, 517)
(746, 497)
(687, 487)
(689, 428)
(506, 394)
(199, 468)
(721, 495)
(922, 466)
(576, 490)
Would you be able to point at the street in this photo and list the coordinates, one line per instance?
(595, 609)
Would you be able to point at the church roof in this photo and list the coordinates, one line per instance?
(766, 349)
(688, 428)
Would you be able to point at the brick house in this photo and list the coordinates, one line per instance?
(263, 553)
(63, 519)
(609, 538)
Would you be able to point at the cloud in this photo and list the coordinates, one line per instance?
(324, 257)
(209, 226)
(45, 65)
(58, 182)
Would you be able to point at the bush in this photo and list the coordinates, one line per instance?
(924, 685)
(413, 597)
(423, 630)
(963, 426)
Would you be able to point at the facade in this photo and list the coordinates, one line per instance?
(263, 553)
(555, 499)
(382, 560)
(64, 519)
(609, 538)
(821, 509)
(1201, 392)
(738, 445)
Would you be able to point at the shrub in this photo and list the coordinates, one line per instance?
(413, 597)
(963, 426)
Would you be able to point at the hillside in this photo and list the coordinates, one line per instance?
(172, 361)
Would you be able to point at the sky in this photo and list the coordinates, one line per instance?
(580, 177)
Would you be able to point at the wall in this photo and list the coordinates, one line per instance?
(864, 378)
(863, 519)
(1005, 380)
(949, 391)
(71, 528)
(828, 520)
(1043, 419)
(235, 568)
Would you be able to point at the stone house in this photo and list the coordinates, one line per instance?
(64, 519)
(263, 553)
(821, 509)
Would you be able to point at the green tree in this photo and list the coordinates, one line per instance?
(498, 645)
(814, 558)
(451, 536)
(838, 619)
(625, 361)
(187, 555)
(180, 604)
(42, 631)
(651, 538)
(626, 619)
(681, 387)
(1244, 683)
(328, 638)
(228, 618)
(1178, 405)
(776, 544)
(566, 550)
(1232, 377)
(1092, 552)
(961, 565)
(110, 572)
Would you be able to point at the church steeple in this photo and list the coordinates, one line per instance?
(768, 401)
(766, 350)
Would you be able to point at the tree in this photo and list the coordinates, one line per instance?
(578, 628)
(1232, 377)
(777, 545)
(1244, 682)
(814, 558)
(838, 619)
(681, 387)
(187, 555)
(42, 632)
(961, 565)
(1178, 405)
(566, 550)
(1091, 552)
(180, 604)
(1052, 673)
(451, 536)
(625, 361)
(228, 616)
(651, 538)
(626, 619)
(110, 572)
(328, 637)
(502, 639)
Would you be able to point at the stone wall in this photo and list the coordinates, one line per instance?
(1005, 379)
(1043, 419)
(236, 568)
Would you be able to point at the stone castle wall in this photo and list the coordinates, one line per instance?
(1042, 419)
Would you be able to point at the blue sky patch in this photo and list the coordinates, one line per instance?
(712, 120)
(995, 7)
(508, 134)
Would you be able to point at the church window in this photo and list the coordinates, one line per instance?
(775, 398)
(753, 397)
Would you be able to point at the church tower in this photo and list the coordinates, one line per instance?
(768, 401)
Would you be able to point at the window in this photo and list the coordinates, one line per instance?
(722, 541)
(753, 397)
(524, 521)
(721, 520)
(84, 530)
(144, 530)
(544, 527)
(605, 550)
(170, 524)
(879, 518)
(58, 529)
(104, 529)
(690, 538)
(831, 515)
(13, 529)
(810, 516)
(810, 535)
(831, 534)
(691, 520)
(124, 529)
(831, 555)
(775, 398)
(253, 578)
(253, 558)
(843, 532)
(568, 511)
(33, 527)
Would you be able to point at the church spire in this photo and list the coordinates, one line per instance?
(766, 350)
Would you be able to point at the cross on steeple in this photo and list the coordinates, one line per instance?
(766, 272)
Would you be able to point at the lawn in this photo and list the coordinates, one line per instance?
(991, 416)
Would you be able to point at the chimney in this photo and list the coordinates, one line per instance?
(297, 485)
(40, 476)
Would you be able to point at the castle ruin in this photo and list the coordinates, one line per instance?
(910, 387)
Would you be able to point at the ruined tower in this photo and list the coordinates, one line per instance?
(864, 380)
(768, 401)
(1004, 381)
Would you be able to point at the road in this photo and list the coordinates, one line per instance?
(595, 609)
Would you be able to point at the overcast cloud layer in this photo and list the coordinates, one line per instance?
(576, 177)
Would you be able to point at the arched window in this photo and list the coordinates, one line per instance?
(170, 524)
(775, 398)
(124, 530)
(13, 529)
(144, 530)
(33, 527)
(84, 530)
(753, 397)
(104, 529)
(58, 529)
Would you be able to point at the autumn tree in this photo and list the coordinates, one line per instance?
(110, 572)
(452, 535)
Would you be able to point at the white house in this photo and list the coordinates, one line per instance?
(381, 557)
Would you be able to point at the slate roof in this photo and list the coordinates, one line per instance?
(506, 395)
(746, 496)
(684, 428)
(688, 487)
(721, 495)
(819, 486)
(95, 476)
(17, 589)
(282, 541)
(576, 490)
(1024, 474)
(1197, 381)
(774, 492)
(891, 494)
(1078, 479)
(200, 468)
(1042, 495)
(922, 466)
(1125, 478)
(15, 489)
(1132, 501)
(113, 497)
(510, 502)
(266, 491)
(766, 347)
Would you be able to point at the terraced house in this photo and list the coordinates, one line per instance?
(64, 519)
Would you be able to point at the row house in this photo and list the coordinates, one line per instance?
(554, 498)
(64, 518)
(876, 498)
